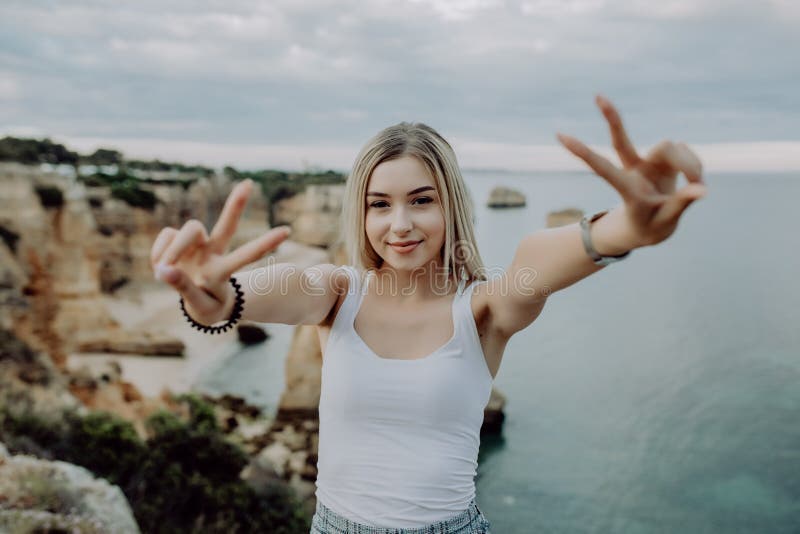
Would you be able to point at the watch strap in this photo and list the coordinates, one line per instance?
(585, 225)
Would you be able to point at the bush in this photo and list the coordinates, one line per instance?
(104, 444)
(32, 151)
(184, 478)
(130, 192)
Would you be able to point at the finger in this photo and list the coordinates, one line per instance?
(197, 299)
(192, 234)
(693, 160)
(619, 137)
(677, 203)
(678, 157)
(598, 163)
(164, 238)
(254, 250)
(229, 217)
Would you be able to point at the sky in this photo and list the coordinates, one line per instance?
(295, 84)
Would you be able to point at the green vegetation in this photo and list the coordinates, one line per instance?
(102, 156)
(32, 151)
(278, 185)
(163, 166)
(124, 187)
(130, 192)
(183, 478)
(131, 174)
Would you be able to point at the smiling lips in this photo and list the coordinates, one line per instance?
(405, 246)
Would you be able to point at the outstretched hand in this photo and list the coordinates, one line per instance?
(198, 265)
(648, 185)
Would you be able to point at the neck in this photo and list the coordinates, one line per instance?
(422, 283)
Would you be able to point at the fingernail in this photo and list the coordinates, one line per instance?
(164, 272)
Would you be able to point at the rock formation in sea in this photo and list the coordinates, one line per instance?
(563, 217)
(504, 197)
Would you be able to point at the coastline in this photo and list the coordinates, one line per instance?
(154, 307)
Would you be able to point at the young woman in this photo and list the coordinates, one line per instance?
(413, 330)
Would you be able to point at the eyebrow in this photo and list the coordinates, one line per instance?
(414, 192)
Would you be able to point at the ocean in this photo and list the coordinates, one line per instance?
(659, 395)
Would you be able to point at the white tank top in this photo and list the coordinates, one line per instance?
(399, 439)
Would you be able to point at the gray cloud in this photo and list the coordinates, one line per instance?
(334, 72)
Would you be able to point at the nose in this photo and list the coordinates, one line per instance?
(401, 222)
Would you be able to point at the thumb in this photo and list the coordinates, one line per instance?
(677, 203)
(183, 284)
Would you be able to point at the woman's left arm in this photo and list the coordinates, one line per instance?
(550, 260)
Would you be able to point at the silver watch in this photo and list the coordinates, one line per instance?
(586, 222)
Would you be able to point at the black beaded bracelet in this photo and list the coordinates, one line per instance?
(238, 306)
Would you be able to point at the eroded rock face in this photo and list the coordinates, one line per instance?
(47, 496)
(60, 261)
(303, 370)
(313, 214)
(29, 381)
(117, 340)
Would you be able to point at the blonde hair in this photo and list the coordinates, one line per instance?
(460, 251)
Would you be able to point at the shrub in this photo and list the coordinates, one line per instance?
(184, 478)
(130, 192)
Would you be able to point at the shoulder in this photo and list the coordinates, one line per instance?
(499, 311)
(338, 278)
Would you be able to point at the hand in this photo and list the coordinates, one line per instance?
(197, 265)
(652, 204)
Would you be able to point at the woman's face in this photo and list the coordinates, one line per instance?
(402, 206)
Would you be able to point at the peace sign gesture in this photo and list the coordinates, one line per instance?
(647, 184)
(197, 266)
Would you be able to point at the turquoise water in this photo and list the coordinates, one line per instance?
(661, 394)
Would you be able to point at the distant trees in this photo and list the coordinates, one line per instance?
(125, 177)
(103, 156)
(279, 185)
(33, 151)
(163, 166)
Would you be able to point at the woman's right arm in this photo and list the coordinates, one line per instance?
(283, 293)
(198, 266)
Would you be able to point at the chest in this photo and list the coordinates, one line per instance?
(404, 333)
(400, 335)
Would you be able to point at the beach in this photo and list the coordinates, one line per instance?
(154, 307)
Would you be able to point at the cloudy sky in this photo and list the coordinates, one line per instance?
(296, 83)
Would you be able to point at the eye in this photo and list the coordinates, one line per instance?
(418, 200)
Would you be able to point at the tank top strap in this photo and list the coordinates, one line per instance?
(352, 300)
(468, 328)
(461, 304)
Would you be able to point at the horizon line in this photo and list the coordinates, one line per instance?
(778, 156)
